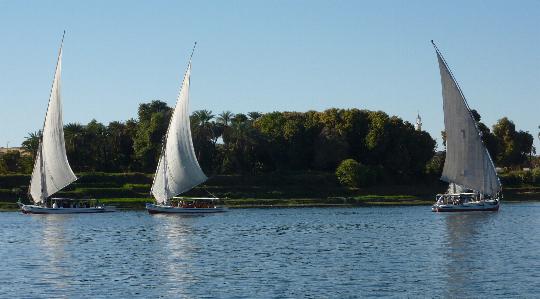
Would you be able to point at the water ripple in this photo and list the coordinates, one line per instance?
(273, 253)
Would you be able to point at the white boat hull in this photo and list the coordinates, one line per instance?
(33, 209)
(486, 206)
(157, 209)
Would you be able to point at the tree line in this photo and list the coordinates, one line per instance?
(507, 146)
(388, 148)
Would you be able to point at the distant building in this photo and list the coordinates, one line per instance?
(418, 125)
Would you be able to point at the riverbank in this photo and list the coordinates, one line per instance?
(513, 195)
(360, 201)
(312, 189)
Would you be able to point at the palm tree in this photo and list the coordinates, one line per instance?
(31, 143)
(202, 117)
(73, 133)
(225, 118)
(254, 115)
(75, 140)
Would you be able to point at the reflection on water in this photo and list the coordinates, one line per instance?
(53, 252)
(465, 255)
(173, 233)
(273, 253)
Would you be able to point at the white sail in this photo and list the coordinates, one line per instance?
(468, 162)
(178, 170)
(51, 169)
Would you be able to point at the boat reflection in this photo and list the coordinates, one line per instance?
(53, 250)
(175, 239)
(464, 257)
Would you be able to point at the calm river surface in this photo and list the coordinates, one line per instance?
(248, 253)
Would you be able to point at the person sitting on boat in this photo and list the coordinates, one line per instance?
(55, 205)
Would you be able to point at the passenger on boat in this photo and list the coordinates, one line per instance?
(55, 205)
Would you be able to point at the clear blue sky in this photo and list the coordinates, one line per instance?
(268, 56)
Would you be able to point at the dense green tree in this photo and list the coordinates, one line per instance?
(225, 118)
(271, 127)
(254, 115)
(78, 147)
(120, 145)
(205, 133)
(31, 143)
(377, 138)
(386, 147)
(330, 148)
(151, 128)
(241, 143)
(13, 161)
(435, 165)
(515, 146)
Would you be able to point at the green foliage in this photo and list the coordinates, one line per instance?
(387, 147)
(15, 162)
(151, 128)
(118, 179)
(102, 193)
(253, 144)
(435, 166)
(31, 143)
(507, 147)
(514, 147)
(347, 173)
(353, 174)
(140, 188)
(518, 178)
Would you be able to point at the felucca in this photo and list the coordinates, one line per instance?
(51, 167)
(178, 170)
(468, 167)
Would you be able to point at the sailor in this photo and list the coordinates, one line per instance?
(55, 205)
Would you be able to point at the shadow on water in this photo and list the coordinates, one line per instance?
(464, 256)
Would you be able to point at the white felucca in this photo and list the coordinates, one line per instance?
(178, 170)
(468, 167)
(51, 167)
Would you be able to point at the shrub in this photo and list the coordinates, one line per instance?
(353, 174)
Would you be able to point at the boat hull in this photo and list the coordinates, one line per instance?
(33, 209)
(161, 209)
(468, 207)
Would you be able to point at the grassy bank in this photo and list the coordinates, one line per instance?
(131, 190)
(366, 200)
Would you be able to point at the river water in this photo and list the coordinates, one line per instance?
(274, 253)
